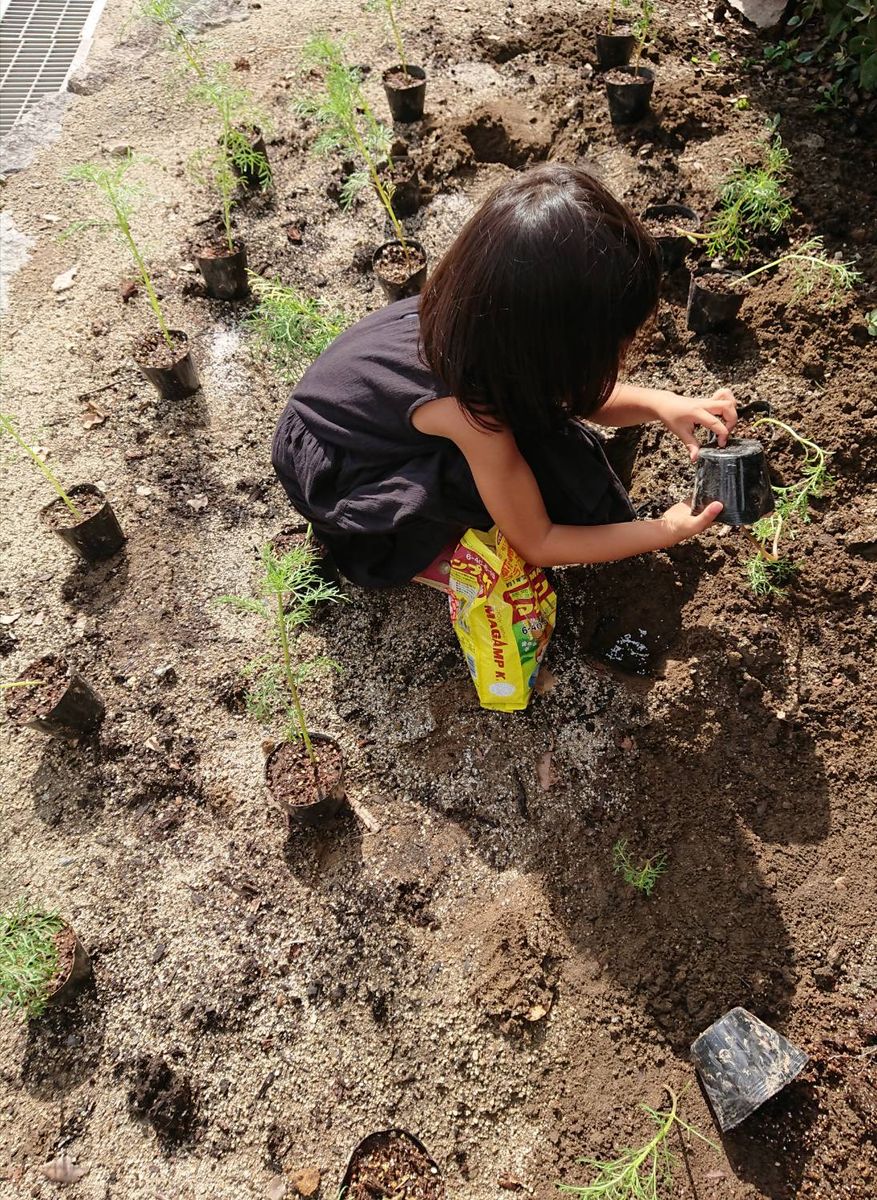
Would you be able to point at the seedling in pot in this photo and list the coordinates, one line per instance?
(349, 127)
(770, 570)
(41, 960)
(291, 329)
(644, 1172)
(304, 773)
(629, 88)
(168, 15)
(82, 517)
(615, 46)
(404, 84)
(241, 125)
(163, 356)
(644, 877)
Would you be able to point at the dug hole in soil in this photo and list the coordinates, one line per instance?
(472, 971)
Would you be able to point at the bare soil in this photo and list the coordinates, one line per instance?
(263, 999)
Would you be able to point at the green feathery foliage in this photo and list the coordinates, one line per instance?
(769, 570)
(28, 958)
(291, 328)
(289, 590)
(9, 426)
(120, 194)
(238, 116)
(391, 7)
(644, 877)
(752, 200)
(349, 126)
(644, 1172)
(813, 269)
(642, 29)
(168, 15)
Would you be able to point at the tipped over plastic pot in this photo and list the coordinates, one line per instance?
(406, 92)
(737, 475)
(742, 1062)
(54, 700)
(97, 534)
(76, 974)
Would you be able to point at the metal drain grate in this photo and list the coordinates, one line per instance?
(39, 44)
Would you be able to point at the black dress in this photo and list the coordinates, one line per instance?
(385, 498)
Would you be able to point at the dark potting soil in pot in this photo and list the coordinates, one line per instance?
(668, 226)
(291, 773)
(623, 77)
(394, 266)
(392, 1165)
(88, 502)
(65, 940)
(153, 351)
(218, 249)
(399, 79)
(24, 703)
(720, 284)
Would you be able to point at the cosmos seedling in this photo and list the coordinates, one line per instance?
(642, 1173)
(28, 959)
(349, 127)
(644, 877)
(238, 116)
(769, 570)
(119, 193)
(168, 15)
(641, 30)
(292, 328)
(613, 6)
(289, 591)
(391, 8)
(813, 269)
(8, 426)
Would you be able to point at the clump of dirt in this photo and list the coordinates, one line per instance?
(165, 1098)
(516, 967)
(505, 131)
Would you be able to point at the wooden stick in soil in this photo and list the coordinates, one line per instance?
(7, 424)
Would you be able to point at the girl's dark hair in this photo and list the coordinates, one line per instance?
(526, 318)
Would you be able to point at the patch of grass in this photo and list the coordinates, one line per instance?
(643, 877)
(641, 1173)
(291, 329)
(28, 958)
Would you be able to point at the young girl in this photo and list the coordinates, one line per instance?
(462, 408)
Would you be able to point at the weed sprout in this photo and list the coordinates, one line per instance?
(644, 877)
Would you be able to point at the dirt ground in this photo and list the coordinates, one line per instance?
(473, 971)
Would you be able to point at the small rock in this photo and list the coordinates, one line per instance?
(306, 1181)
(276, 1188)
(197, 503)
(158, 954)
(294, 234)
(764, 14)
(63, 1169)
(127, 289)
(119, 150)
(64, 281)
(142, 490)
(166, 673)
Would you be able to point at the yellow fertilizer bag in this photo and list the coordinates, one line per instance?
(503, 612)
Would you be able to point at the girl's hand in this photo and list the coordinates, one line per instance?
(682, 416)
(681, 523)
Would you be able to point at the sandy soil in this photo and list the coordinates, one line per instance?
(473, 971)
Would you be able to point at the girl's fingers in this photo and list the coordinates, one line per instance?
(713, 423)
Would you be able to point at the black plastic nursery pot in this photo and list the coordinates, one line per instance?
(224, 271)
(737, 475)
(401, 171)
(406, 92)
(713, 300)
(308, 797)
(400, 275)
(74, 968)
(250, 176)
(392, 1162)
(664, 222)
(60, 704)
(97, 535)
(614, 49)
(741, 1063)
(629, 93)
(171, 371)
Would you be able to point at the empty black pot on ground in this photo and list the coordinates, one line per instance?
(714, 300)
(55, 700)
(224, 270)
(171, 370)
(406, 92)
(737, 475)
(614, 49)
(307, 796)
(629, 93)
(97, 535)
(742, 1062)
(663, 222)
(400, 274)
(249, 173)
